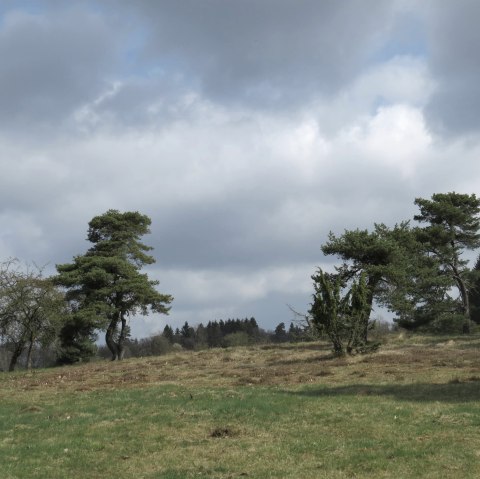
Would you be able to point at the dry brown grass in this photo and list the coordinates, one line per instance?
(421, 359)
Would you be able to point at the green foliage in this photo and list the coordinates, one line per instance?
(104, 286)
(240, 338)
(445, 323)
(474, 293)
(155, 345)
(216, 331)
(168, 333)
(411, 271)
(380, 256)
(419, 291)
(342, 318)
(77, 340)
(187, 336)
(280, 334)
(452, 227)
(397, 272)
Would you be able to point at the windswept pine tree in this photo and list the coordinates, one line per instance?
(105, 286)
(453, 224)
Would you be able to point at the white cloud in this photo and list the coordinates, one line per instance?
(395, 136)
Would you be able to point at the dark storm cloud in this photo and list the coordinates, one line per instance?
(454, 56)
(51, 64)
(271, 52)
(120, 63)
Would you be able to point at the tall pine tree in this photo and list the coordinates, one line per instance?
(453, 225)
(105, 286)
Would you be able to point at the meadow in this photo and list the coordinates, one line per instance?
(274, 411)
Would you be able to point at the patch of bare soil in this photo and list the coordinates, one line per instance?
(223, 432)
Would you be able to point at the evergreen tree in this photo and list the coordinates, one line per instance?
(292, 332)
(187, 336)
(381, 256)
(400, 273)
(214, 334)
(343, 318)
(201, 337)
(77, 339)
(453, 225)
(251, 328)
(280, 333)
(187, 331)
(105, 286)
(474, 293)
(168, 333)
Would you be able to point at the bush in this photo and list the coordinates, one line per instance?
(446, 324)
(239, 338)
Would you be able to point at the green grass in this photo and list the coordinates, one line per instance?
(285, 412)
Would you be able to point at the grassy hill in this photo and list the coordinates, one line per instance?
(286, 411)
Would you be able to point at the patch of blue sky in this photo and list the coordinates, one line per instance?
(408, 37)
(133, 56)
(379, 102)
(27, 6)
(141, 61)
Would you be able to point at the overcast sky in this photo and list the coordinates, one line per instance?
(245, 129)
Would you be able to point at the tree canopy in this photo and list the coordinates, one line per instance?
(452, 227)
(412, 270)
(385, 258)
(105, 286)
(31, 309)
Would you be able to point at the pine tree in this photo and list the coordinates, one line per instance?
(105, 286)
(453, 224)
(168, 333)
(474, 293)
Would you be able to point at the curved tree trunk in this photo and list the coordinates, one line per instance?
(371, 285)
(15, 355)
(121, 339)
(117, 348)
(110, 338)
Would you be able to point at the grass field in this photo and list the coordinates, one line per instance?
(286, 411)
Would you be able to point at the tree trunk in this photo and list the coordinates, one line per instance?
(465, 298)
(371, 285)
(121, 339)
(15, 355)
(29, 353)
(110, 340)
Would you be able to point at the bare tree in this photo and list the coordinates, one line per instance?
(31, 310)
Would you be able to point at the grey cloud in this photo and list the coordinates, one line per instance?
(454, 46)
(273, 52)
(255, 229)
(51, 64)
(137, 102)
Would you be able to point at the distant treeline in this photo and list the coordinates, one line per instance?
(216, 334)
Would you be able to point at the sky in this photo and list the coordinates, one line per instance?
(245, 129)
